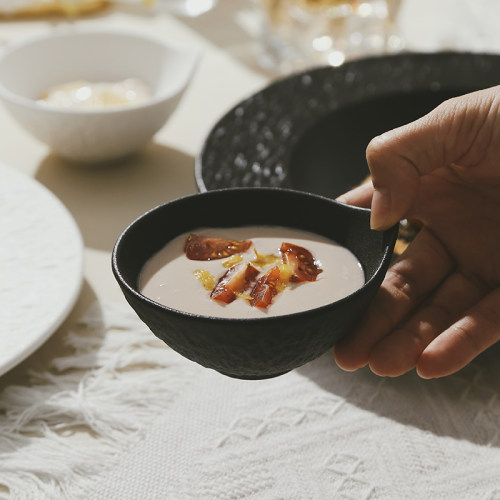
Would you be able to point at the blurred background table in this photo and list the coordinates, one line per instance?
(104, 199)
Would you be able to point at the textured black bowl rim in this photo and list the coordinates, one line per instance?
(392, 234)
(352, 64)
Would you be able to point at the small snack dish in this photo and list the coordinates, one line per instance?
(253, 348)
(29, 68)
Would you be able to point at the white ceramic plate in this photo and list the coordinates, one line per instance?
(41, 265)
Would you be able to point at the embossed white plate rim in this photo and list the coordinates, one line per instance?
(19, 191)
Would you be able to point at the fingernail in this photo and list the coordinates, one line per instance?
(423, 376)
(381, 204)
(349, 370)
(339, 364)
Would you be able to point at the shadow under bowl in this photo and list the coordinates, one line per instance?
(255, 348)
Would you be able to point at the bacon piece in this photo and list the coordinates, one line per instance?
(198, 247)
(266, 288)
(235, 280)
(302, 262)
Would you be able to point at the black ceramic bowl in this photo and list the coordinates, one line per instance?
(259, 347)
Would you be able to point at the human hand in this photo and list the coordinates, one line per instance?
(439, 305)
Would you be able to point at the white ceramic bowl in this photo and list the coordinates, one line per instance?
(31, 67)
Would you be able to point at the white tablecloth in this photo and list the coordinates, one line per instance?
(122, 417)
(320, 433)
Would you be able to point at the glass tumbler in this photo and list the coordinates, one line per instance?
(296, 34)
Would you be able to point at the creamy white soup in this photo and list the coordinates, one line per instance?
(172, 279)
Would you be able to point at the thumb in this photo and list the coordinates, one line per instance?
(399, 158)
(395, 175)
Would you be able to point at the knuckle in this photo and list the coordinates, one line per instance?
(441, 314)
(402, 285)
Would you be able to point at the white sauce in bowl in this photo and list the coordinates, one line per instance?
(86, 95)
(168, 277)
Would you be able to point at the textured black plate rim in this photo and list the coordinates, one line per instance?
(352, 65)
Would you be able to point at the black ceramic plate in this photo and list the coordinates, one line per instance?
(309, 131)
